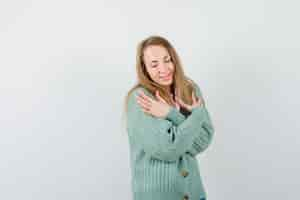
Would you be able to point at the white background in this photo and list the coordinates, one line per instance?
(65, 67)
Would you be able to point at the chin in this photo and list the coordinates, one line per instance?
(169, 82)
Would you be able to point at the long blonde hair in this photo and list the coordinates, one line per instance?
(181, 83)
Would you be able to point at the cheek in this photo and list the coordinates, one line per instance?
(171, 67)
(153, 73)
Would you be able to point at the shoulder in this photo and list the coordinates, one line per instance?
(195, 87)
(138, 89)
(133, 94)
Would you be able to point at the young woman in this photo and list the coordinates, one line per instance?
(167, 124)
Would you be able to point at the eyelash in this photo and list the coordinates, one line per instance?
(165, 61)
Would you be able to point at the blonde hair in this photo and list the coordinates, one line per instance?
(181, 83)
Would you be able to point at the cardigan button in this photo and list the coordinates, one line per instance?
(185, 197)
(184, 173)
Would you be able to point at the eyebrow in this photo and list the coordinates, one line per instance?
(155, 61)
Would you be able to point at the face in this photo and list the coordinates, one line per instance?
(159, 64)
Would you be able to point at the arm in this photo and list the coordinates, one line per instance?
(204, 135)
(159, 137)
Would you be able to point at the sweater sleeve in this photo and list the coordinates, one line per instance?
(206, 132)
(159, 137)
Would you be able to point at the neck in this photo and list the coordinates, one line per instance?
(168, 88)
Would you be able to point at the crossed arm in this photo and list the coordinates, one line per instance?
(206, 132)
(168, 139)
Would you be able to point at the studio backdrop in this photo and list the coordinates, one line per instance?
(66, 66)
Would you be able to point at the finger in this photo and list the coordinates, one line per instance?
(173, 102)
(181, 102)
(146, 111)
(143, 102)
(159, 97)
(185, 105)
(144, 107)
(201, 101)
(177, 106)
(142, 95)
(194, 98)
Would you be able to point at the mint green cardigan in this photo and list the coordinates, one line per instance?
(163, 151)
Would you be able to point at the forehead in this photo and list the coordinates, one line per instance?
(155, 52)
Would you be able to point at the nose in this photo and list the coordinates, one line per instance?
(163, 69)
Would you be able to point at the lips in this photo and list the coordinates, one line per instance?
(166, 77)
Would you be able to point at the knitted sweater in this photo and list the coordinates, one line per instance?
(163, 151)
